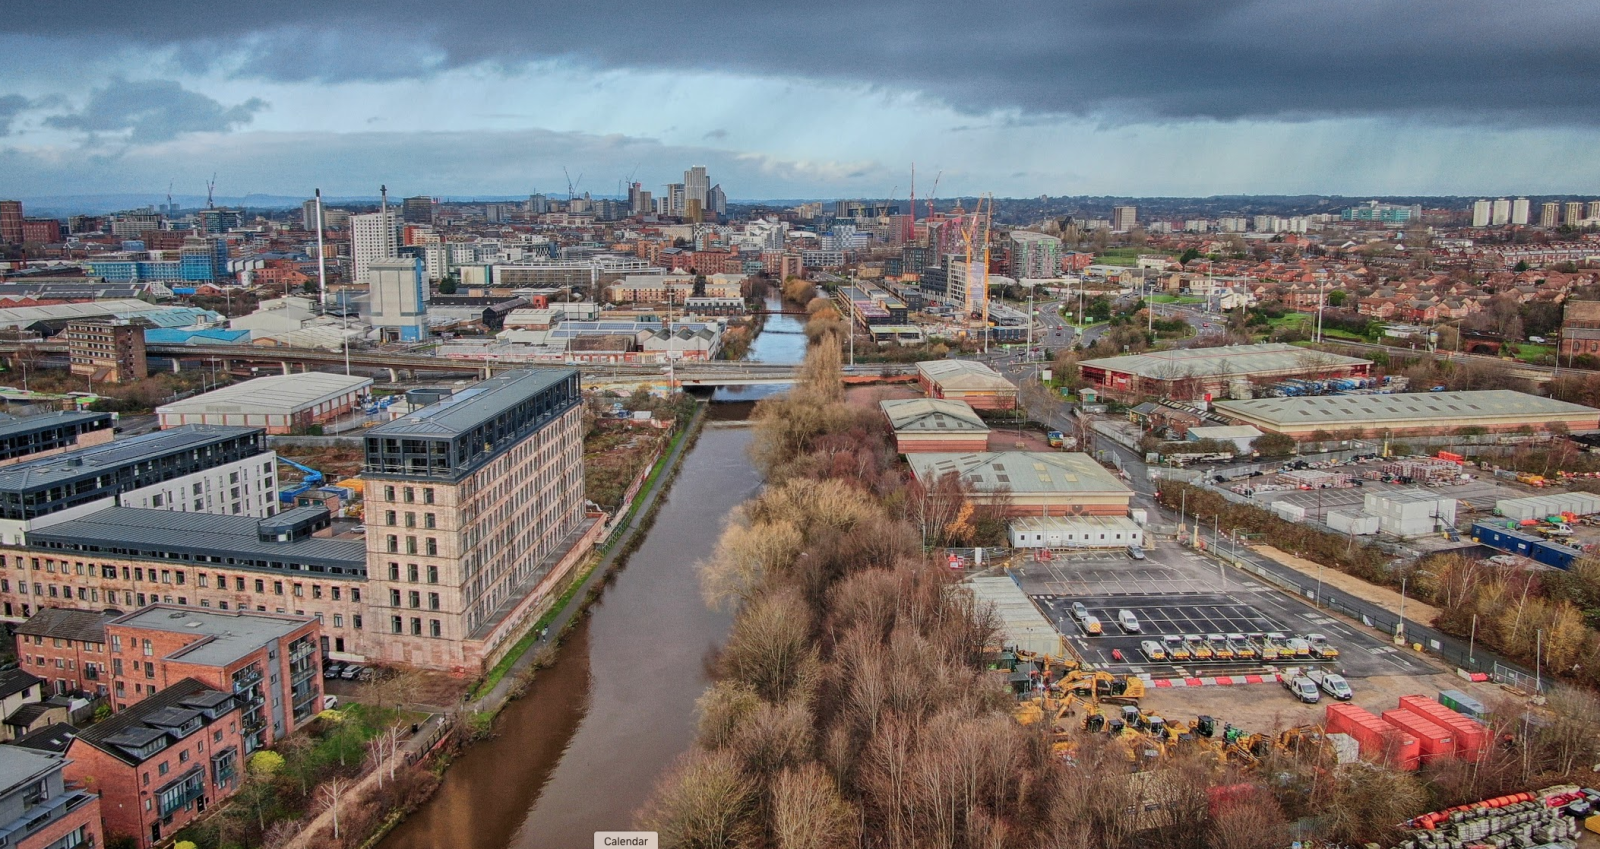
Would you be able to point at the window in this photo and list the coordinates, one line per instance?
(355, 621)
(238, 583)
(205, 580)
(395, 624)
(316, 591)
(411, 545)
(355, 595)
(411, 572)
(261, 586)
(388, 517)
(149, 649)
(433, 546)
(299, 591)
(161, 768)
(394, 598)
(410, 495)
(427, 495)
(388, 493)
(277, 588)
(411, 519)
(394, 544)
(433, 574)
(429, 521)
(415, 598)
(433, 601)
(394, 571)
(338, 618)
(116, 643)
(433, 627)
(336, 593)
(416, 627)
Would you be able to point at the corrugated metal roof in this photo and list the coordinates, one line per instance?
(275, 394)
(1240, 360)
(1445, 408)
(1021, 623)
(1030, 472)
(964, 374)
(932, 415)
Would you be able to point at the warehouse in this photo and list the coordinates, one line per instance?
(934, 424)
(280, 404)
(1204, 373)
(1030, 483)
(1421, 413)
(964, 380)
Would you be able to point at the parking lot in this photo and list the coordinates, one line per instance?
(1176, 591)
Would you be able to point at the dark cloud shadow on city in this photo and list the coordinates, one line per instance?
(1463, 61)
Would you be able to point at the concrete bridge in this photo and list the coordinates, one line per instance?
(399, 363)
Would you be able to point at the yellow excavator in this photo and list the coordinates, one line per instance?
(1102, 686)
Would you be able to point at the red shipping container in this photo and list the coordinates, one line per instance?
(1472, 737)
(1434, 739)
(1374, 736)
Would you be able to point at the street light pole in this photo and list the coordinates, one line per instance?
(1402, 627)
(1472, 642)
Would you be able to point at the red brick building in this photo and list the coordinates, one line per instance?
(161, 763)
(66, 648)
(269, 661)
(38, 809)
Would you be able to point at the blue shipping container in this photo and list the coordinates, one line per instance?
(1516, 542)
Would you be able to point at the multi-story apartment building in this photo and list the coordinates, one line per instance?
(66, 649)
(373, 236)
(1574, 213)
(159, 764)
(110, 351)
(48, 434)
(268, 661)
(1124, 218)
(1549, 214)
(1035, 255)
(128, 558)
(37, 808)
(11, 221)
(199, 468)
(474, 512)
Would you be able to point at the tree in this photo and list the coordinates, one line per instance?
(331, 792)
(1337, 297)
(1521, 266)
(699, 290)
(448, 285)
(1273, 445)
(706, 802)
(1188, 256)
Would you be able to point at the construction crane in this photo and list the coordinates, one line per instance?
(934, 193)
(572, 185)
(211, 187)
(169, 197)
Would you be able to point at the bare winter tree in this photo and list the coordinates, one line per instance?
(332, 792)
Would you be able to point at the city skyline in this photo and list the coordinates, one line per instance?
(1095, 99)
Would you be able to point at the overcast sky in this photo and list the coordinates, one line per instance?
(816, 99)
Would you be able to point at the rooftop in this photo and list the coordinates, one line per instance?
(1030, 472)
(154, 534)
(963, 374)
(87, 462)
(471, 407)
(21, 766)
(1240, 360)
(1440, 407)
(12, 426)
(932, 415)
(82, 625)
(55, 737)
(285, 392)
(223, 636)
(14, 681)
(127, 727)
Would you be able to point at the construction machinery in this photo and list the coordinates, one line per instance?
(1104, 687)
(312, 480)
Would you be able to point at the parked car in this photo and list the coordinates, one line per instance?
(1128, 621)
(350, 672)
(330, 702)
(1135, 552)
(1303, 688)
(333, 671)
(1332, 683)
(1153, 650)
(1091, 625)
(1079, 611)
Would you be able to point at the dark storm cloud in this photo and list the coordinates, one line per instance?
(11, 105)
(1462, 60)
(153, 111)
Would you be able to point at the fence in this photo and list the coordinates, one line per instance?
(1461, 655)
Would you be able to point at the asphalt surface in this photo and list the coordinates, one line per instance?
(1178, 591)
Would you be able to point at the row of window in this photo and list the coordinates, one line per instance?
(412, 572)
(429, 520)
(179, 577)
(415, 600)
(397, 626)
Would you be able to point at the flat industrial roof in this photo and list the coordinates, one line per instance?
(10, 426)
(1443, 409)
(1021, 623)
(1235, 360)
(134, 531)
(1073, 523)
(82, 462)
(279, 393)
(230, 634)
(476, 404)
(932, 415)
(1030, 472)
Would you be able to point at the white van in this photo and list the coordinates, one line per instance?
(1128, 621)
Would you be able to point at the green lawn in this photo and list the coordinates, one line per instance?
(1530, 353)
(1177, 299)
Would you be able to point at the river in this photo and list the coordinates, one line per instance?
(581, 751)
